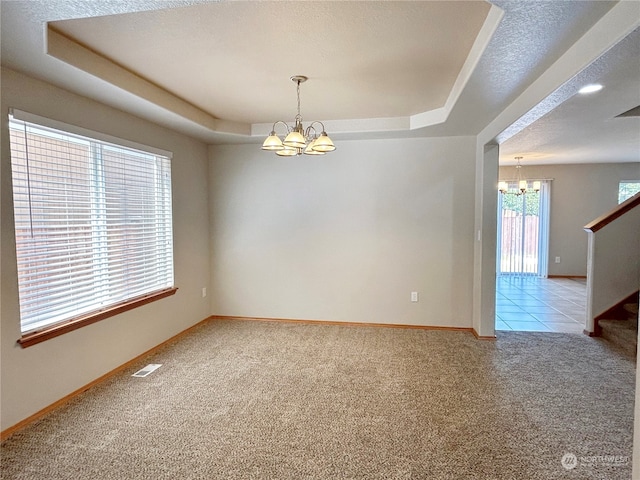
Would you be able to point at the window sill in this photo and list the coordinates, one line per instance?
(38, 336)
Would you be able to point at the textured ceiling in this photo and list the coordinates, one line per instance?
(234, 60)
(219, 71)
(570, 127)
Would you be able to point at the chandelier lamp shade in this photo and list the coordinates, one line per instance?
(297, 139)
(522, 185)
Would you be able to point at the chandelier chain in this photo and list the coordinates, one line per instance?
(298, 94)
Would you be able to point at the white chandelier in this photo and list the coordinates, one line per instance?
(298, 140)
(522, 184)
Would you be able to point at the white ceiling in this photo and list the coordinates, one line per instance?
(250, 49)
(219, 71)
(586, 128)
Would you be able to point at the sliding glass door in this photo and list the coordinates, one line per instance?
(523, 232)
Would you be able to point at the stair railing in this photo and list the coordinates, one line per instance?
(613, 259)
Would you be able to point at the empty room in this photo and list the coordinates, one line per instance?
(286, 239)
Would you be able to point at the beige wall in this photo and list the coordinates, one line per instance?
(579, 194)
(347, 236)
(35, 377)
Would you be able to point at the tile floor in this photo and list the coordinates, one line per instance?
(532, 304)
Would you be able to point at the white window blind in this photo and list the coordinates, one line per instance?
(93, 223)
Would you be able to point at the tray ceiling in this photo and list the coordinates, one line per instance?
(219, 71)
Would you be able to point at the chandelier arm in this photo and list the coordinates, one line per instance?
(307, 132)
(273, 129)
(317, 121)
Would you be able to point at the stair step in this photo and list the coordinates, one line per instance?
(631, 309)
(623, 333)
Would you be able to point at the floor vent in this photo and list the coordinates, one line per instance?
(149, 369)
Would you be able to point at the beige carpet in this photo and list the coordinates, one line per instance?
(242, 399)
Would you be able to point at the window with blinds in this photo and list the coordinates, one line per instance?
(93, 223)
(627, 189)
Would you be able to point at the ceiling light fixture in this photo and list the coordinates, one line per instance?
(298, 140)
(521, 184)
(594, 87)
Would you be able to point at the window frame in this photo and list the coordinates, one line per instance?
(54, 329)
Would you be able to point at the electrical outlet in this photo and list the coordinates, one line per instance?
(204, 292)
(557, 259)
(414, 296)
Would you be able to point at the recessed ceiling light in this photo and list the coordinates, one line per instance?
(594, 87)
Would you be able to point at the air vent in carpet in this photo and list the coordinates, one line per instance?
(634, 112)
(152, 367)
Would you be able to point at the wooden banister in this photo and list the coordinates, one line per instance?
(620, 210)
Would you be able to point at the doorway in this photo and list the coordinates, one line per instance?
(522, 252)
(523, 231)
